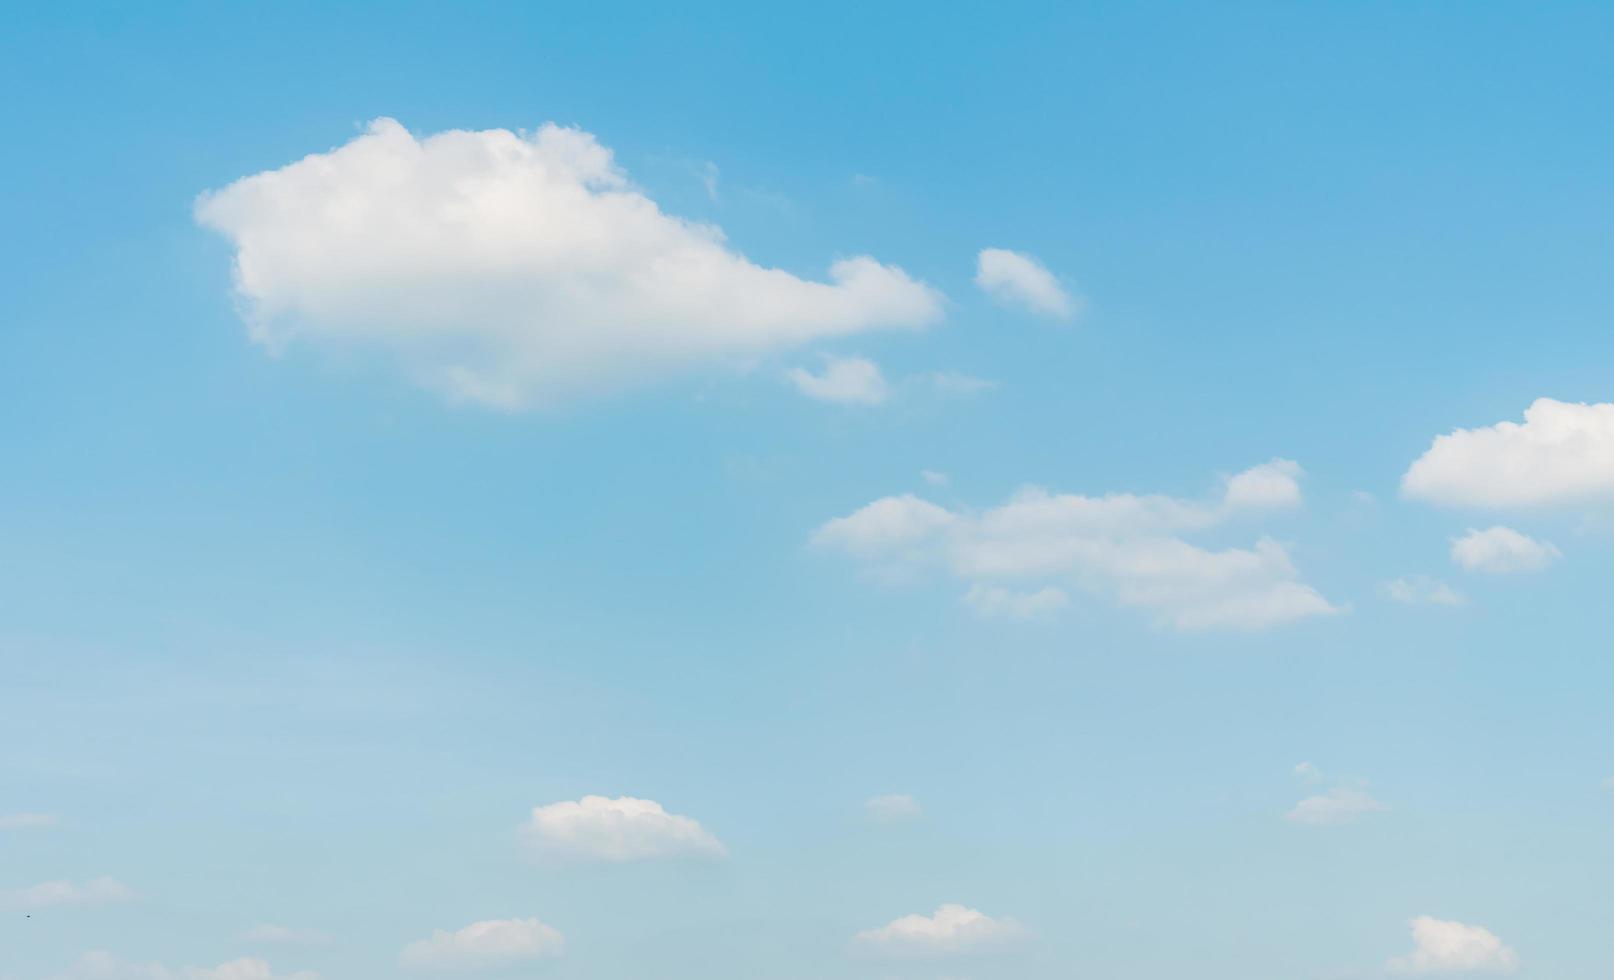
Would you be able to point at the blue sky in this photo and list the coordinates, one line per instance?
(451, 556)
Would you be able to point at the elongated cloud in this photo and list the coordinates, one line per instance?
(1501, 550)
(847, 380)
(1340, 805)
(1125, 546)
(100, 965)
(952, 929)
(1443, 946)
(1018, 279)
(491, 945)
(623, 829)
(506, 268)
(1561, 454)
(96, 891)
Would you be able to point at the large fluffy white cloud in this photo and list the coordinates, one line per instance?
(96, 891)
(490, 945)
(1443, 946)
(101, 965)
(1020, 280)
(622, 829)
(1562, 453)
(1127, 546)
(951, 929)
(507, 268)
(1501, 550)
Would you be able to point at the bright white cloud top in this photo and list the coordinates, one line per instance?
(96, 891)
(1561, 454)
(1125, 546)
(1336, 807)
(846, 380)
(1442, 946)
(506, 268)
(1018, 279)
(953, 929)
(101, 965)
(1501, 551)
(597, 828)
(491, 945)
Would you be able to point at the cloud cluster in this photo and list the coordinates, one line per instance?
(494, 944)
(1562, 453)
(1442, 946)
(1126, 546)
(951, 929)
(506, 268)
(96, 891)
(597, 828)
(1018, 279)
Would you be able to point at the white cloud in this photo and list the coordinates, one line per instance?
(96, 891)
(270, 933)
(1308, 772)
(506, 269)
(27, 821)
(623, 829)
(1501, 550)
(1421, 590)
(935, 478)
(1563, 453)
(1340, 805)
(847, 380)
(99, 965)
(955, 383)
(997, 602)
(1018, 279)
(1441, 946)
(893, 808)
(1122, 545)
(952, 929)
(494, 944)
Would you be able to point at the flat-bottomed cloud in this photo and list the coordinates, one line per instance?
(598, 828)
(506, 268)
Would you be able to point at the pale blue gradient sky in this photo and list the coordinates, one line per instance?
(290, 640)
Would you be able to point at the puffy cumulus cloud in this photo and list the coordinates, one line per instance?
(1443, 946)
(99, 965)
(892, 808)
(1340, 805)
(997, 602)
(28, 821)
(846, 380)
(1501, 550)
(952, 929)
(1018, 279)
(490, 945)
(1421, 590)
(1562, 453)
(96, 891)
(1126, 546)
(622, 829)
(507, 268)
